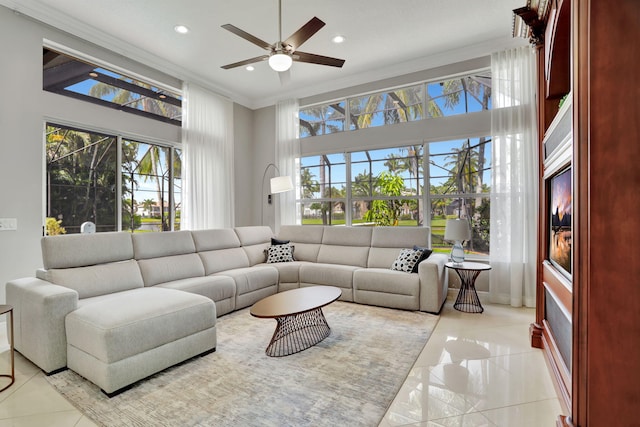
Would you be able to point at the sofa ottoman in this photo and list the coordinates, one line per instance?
(117, 339)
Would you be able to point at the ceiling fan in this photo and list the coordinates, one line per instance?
(284, 52)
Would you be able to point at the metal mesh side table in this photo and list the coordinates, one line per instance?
(8, 310)
(467, 299)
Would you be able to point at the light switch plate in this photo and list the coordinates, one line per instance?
(8, 224)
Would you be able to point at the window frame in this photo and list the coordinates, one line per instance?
(423, 199)
(120, 136)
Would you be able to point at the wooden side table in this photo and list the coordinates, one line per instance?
(7, 309)
(468, 300)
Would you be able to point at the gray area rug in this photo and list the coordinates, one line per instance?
(349, 379)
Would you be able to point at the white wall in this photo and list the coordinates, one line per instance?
(264, 146)
(24, 108)
(243, 170)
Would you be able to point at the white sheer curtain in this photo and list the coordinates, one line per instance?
(207, 165)
(287, 156)
(514, 188)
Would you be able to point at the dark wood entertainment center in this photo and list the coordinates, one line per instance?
(588, 315)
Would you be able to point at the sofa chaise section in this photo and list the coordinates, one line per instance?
(88, 309)
(115, 341)
(74, 267)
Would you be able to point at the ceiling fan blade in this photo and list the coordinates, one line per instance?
(246, 62)
(317, 59)
(253, 39)
(303, 34)
(285, 77)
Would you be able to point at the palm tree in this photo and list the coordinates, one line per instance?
(323, 116)
(147, 204)
(393, 163)
(413, 164)
(308, 183)
(80, 176)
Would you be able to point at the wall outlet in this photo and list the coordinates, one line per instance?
(8, 224)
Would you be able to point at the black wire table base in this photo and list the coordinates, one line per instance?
(468, 300)
(298, 332)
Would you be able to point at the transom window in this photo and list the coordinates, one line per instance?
(449, 97)
(78, 79)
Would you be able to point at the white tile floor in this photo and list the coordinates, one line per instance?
(476, 370)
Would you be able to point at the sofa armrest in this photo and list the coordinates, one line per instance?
(40, 308)
(433, 283)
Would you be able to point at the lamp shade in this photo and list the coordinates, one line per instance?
(280, 184)
(457, 230)
(280, 61)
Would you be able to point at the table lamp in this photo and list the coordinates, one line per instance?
(457, 230)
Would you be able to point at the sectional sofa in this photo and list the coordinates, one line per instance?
(118, 307)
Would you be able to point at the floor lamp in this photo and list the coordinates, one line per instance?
(278, 184)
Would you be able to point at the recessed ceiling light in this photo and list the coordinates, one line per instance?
(93, 74)
(181, 29)
(250, 68)
(338, 39)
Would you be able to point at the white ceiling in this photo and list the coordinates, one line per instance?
(384, 38)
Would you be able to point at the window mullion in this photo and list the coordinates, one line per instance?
(119, 184)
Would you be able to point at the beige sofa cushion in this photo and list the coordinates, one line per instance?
(77, 250)
(345, 246)
(211, 240)
(156, 245)
(98, 279)
(387, 242)
(114, 327)
(169, 268)
(387, 288)
(254, 241)
(306, 239)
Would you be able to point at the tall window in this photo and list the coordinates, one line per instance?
(386, 187)
(81, 179)
(323, 189)
(149, 203)
(459, 183)
(82, 183)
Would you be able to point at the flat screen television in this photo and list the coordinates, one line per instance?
(560, 207)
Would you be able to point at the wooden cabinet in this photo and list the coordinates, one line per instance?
(588, 321)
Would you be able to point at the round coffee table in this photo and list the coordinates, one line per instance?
(301, 323)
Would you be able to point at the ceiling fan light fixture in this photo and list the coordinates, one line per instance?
(280, 61)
